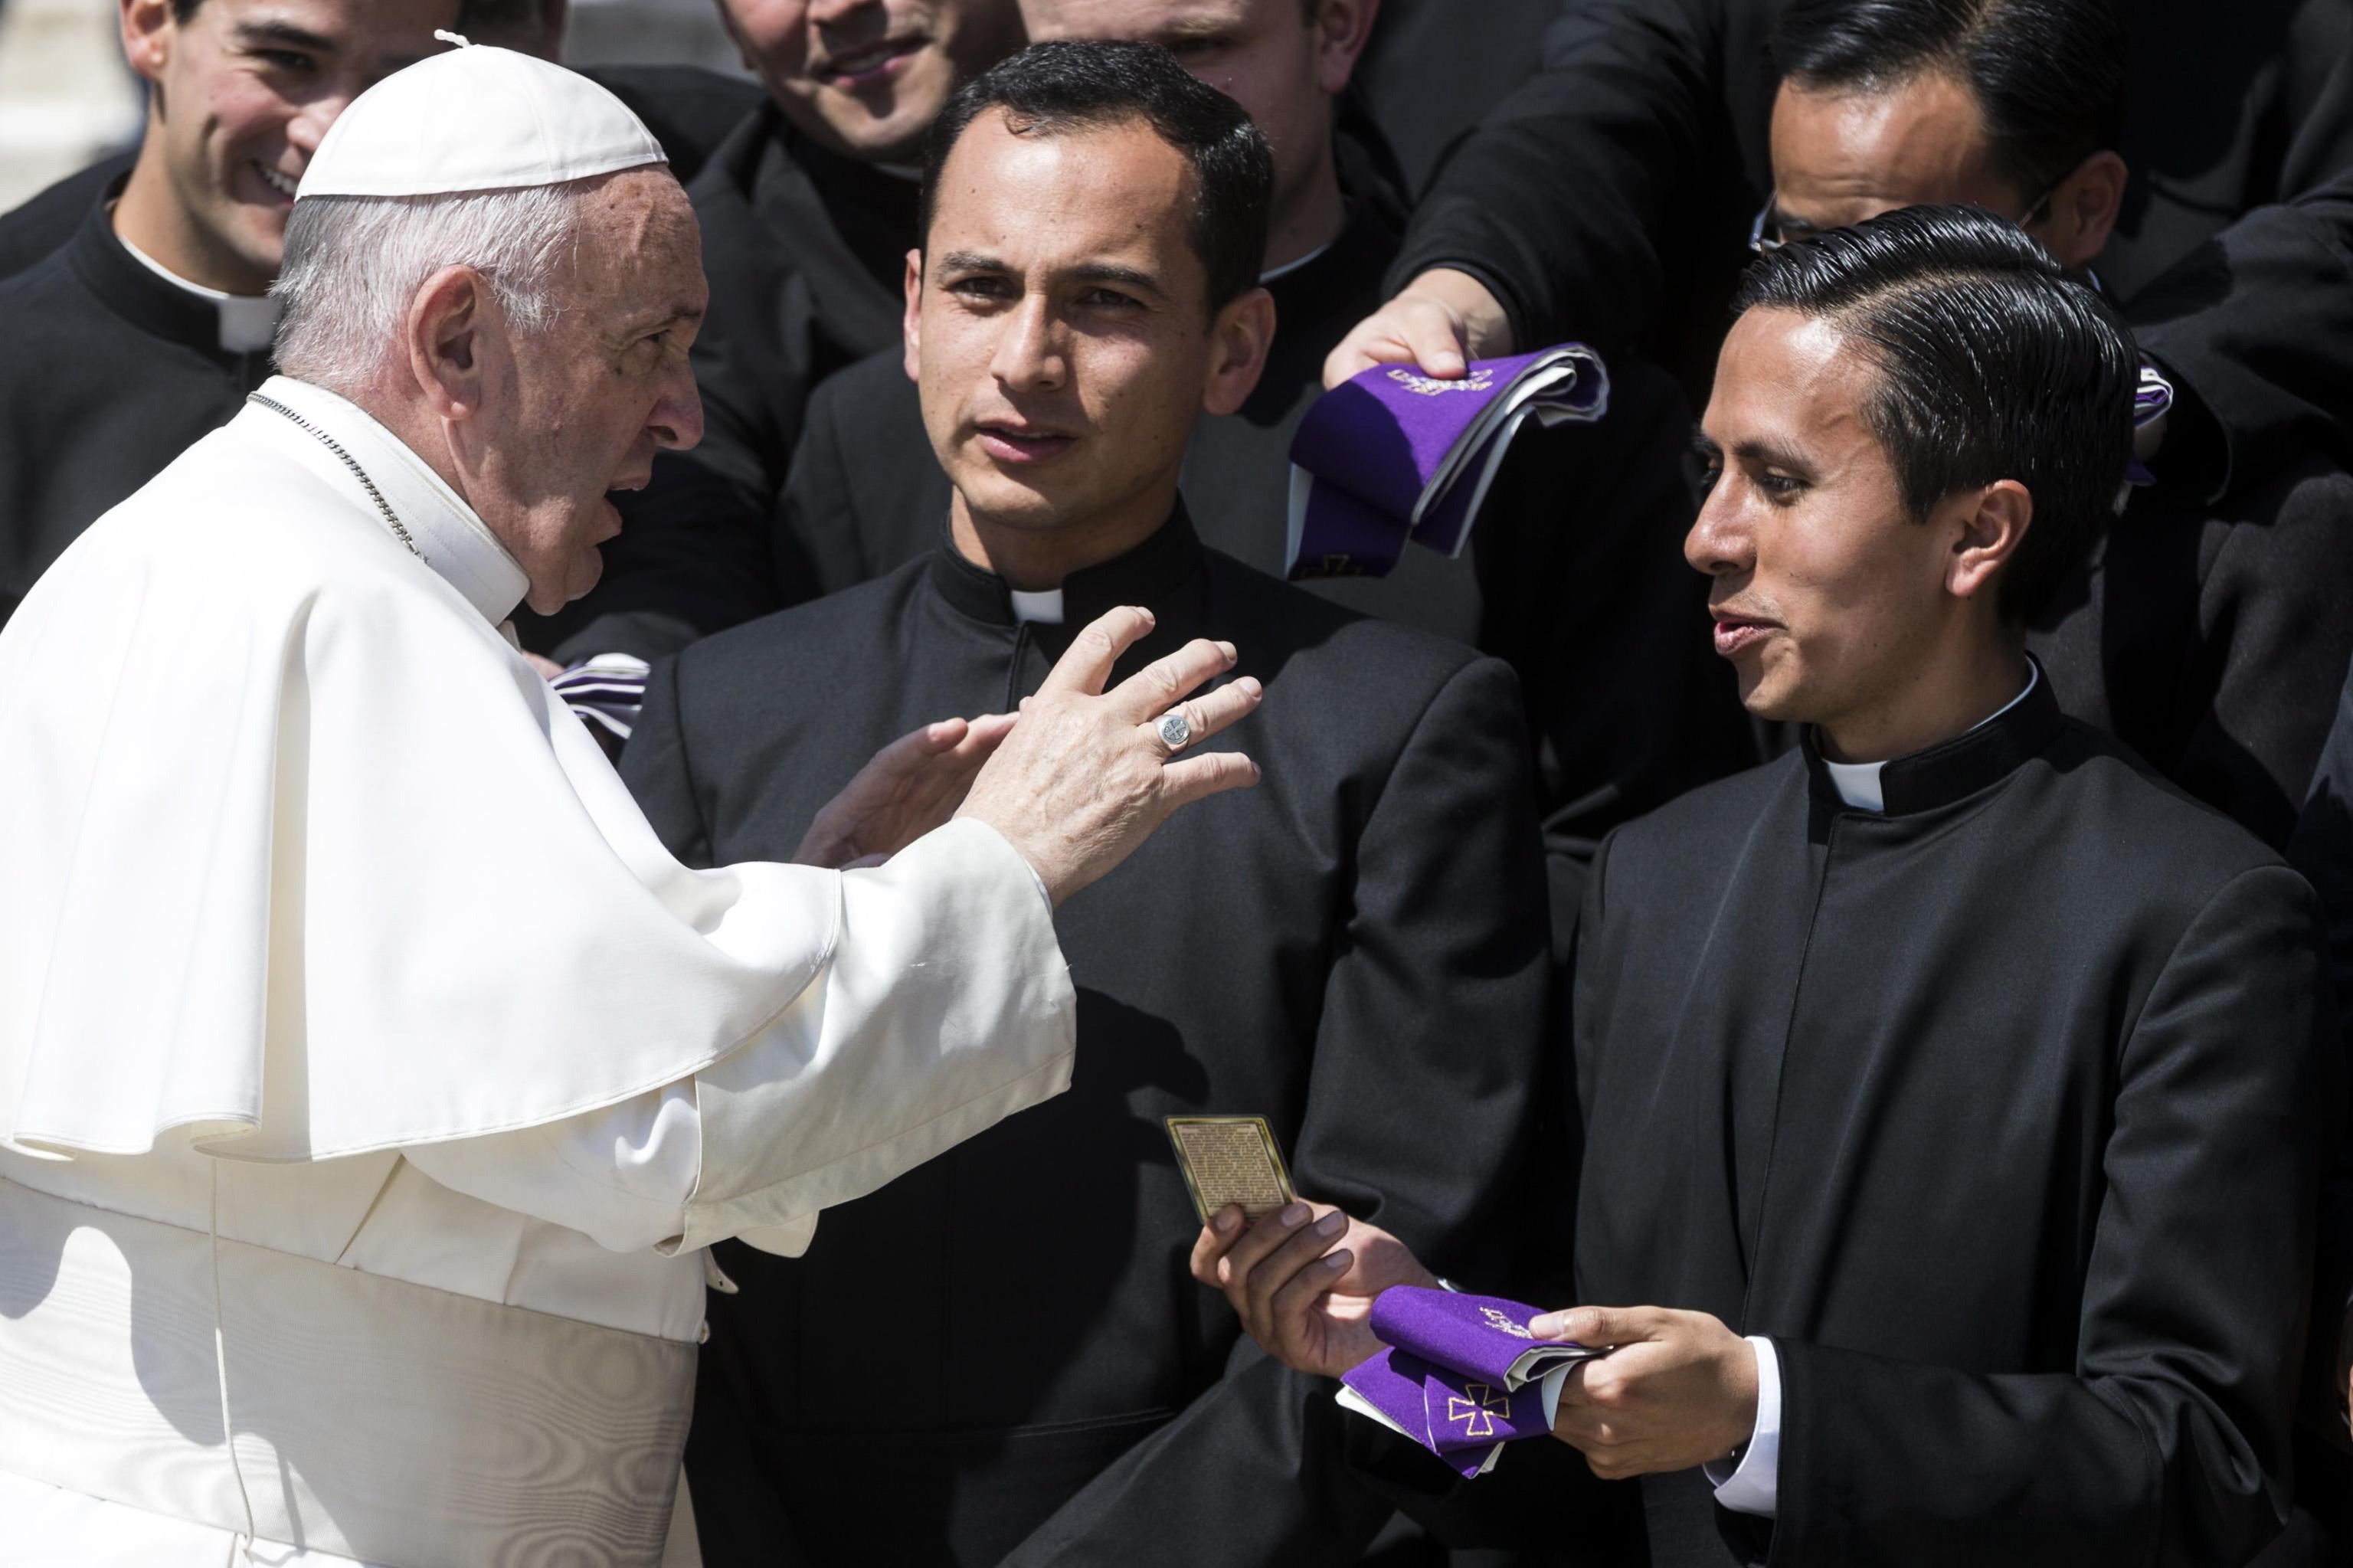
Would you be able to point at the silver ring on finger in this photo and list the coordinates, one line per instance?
(1175, 730)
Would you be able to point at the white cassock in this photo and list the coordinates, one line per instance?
(372, 1079)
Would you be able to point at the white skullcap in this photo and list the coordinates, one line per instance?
(475, 119)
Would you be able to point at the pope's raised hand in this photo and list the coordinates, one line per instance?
(1304, 1280)
(1087, 775)
(910, 786)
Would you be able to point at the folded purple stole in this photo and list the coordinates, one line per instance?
(1463, 1376)
(1392, 454)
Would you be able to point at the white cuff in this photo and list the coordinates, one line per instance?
(1754, 1486)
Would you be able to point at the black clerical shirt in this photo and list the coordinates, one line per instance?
(113, 370)
(1355, 949)
(2000, 1112)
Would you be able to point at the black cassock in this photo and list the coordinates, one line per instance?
(2001, 1114)
(1354, 950)
(2212, 639)
(112, 372)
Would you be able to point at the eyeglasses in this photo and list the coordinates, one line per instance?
(1770, 232)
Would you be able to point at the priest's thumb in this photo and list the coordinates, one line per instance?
(1578, 1325)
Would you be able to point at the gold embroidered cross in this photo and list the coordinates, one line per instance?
(1478, 1410)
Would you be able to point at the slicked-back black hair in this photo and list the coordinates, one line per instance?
(1992, 364)
(1052, 87)
(2048, 75)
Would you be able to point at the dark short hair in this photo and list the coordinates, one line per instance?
(1992, 364)
(2048, 75)
(1052, 87)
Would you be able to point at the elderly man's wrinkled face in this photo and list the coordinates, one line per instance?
(243, 91)
(1827, 593)
(866, 78)
(1282, 65)
(1060, 331)
(587, 401)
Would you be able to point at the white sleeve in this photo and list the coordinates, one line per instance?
(1754, 1486)
(944, 1006)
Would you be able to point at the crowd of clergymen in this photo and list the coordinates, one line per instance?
(2050, 1276)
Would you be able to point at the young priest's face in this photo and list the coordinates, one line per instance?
(1057, 324)
(1828, 597)
(243, 91)
(578, 408)
(866, 78)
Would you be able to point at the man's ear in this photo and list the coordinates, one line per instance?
(2083, 209)
(148, 34)
(911, 326)
(1342, 28)
(449, 332)
(1238, 344)
(1992, 525)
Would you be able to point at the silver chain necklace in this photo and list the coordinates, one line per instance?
(332, 445)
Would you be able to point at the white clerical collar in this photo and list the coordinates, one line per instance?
(1858, 782)
(1045, 606)
(443, 530)
(247, 322)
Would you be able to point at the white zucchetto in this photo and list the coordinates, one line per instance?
(477, 120)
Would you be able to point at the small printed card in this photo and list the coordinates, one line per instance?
(1462, 1376)
(1230, 1160)
(1392, 454)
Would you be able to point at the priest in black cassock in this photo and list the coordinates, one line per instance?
(942, 1375)
(1955, 1093)
(1580, 586)
(151, 323)
(2210, 629)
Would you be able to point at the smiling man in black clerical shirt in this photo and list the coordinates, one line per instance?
(150, 325)
(1360, 958)
(1954, 1091)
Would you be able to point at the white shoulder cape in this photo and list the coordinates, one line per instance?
(302, 858)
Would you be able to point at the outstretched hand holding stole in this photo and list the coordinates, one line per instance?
(1664, 1391)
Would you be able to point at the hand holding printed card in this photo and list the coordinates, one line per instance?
(1230, 1160)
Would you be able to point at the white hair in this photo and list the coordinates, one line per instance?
(353, 264)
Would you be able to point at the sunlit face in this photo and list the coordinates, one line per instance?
(580, 408)
(866, 78)
(1060, 332)
(1842, 157)
(1267, 56)
(243, 91)
(1828, 597)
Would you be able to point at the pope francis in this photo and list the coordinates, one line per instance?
(371, 1081)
